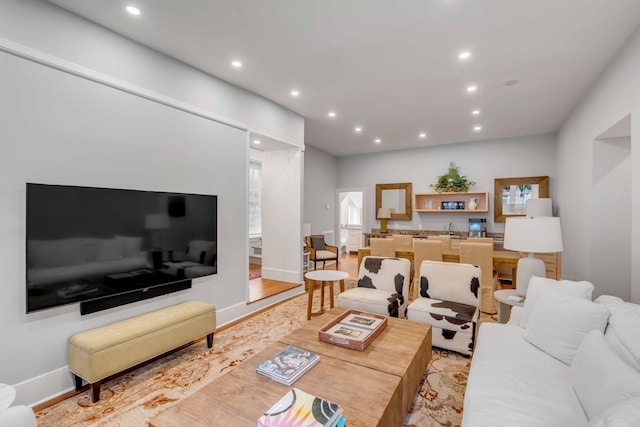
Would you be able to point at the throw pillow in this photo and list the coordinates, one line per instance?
(132, 246)
(599, 377)
(317, 243)
(559, 322)
(624, 414)
(537, 285)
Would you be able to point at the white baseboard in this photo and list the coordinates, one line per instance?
(281, 275)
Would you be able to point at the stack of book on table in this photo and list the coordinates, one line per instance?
(288, 365)
(300, 409)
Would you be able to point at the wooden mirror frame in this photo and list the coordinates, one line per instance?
(498, 183)
(407, 203)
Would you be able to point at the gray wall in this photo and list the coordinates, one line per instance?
(615, 95)
(320, 183)
(63, 129)
(481, 162)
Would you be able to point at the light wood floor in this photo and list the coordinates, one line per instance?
(262, 288)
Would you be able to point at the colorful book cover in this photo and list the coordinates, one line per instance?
(288, 363)
(300, 409)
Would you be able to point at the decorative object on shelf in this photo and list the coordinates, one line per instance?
(473, 202)
(452, 205)
(540, 234)
(383, 215)
(452, 181)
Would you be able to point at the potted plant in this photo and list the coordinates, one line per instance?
(452, 181)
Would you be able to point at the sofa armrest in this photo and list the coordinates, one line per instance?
(516, 314)
(18, 416)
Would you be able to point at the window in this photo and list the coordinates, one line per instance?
(255, 199)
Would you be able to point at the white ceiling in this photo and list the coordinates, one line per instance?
(391, 66)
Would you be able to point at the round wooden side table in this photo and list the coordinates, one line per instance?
(505, 303)
(318, 279)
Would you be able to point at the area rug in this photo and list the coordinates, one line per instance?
(254, 275)
(130, 400)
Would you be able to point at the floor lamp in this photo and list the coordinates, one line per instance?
(532, 234)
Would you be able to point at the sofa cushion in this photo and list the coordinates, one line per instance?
(132, 246)
(201, 251)
(61, 252)
(512, 383)
(109, 249)
(537, 285)
(623, 414)
(600, 378)
(560, 321)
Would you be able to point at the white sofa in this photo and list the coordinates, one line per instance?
(55, 261)
(551, 365)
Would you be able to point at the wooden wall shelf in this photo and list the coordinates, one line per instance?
(432, 202)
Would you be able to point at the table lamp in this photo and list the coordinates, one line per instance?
(383, 215)
(532, 234)
(155, 223)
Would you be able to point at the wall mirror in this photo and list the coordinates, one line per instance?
(396, 197)
(511, 194)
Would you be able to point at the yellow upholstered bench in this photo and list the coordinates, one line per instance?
(102, 352)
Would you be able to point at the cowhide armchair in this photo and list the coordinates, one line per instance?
(448, 300)
(383, 287)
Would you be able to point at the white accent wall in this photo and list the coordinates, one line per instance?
(614, 96)
(320, 183)
(81, 105)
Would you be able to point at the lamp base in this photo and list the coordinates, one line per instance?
(527, 268)
(383, 225)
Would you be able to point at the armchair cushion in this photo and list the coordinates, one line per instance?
(383, 287)
(317, 243)
(322, 254)
(449, 302)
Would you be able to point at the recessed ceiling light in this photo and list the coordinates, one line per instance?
(332, 113)
(295, 93)
(464, 55)
(477, 128)
(236, 64)
(256, 141)
(475, 112)
(133, 10)
(423, 135)
(378, 141)
(358, 129)
(472, 88)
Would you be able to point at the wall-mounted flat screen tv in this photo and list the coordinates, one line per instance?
(91, 245)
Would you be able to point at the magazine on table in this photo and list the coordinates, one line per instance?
(301, 409)
(288, 365)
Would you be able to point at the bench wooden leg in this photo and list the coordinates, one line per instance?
(78, 382)
(210, 340)
(95, 391)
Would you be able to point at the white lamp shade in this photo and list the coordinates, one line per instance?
(157, 221)
(384, 213)
(538, 207)
(533, 234)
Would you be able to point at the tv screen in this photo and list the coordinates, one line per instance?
(90, 244)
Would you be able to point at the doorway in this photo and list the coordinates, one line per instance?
(350, 212)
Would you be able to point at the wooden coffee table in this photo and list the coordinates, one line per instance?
(374, 387)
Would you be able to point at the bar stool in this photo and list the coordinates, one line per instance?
(318, 279)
